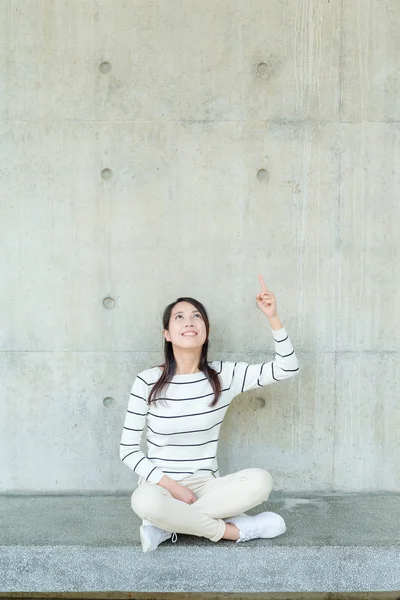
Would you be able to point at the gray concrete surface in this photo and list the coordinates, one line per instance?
(198, 98)
(333, 543)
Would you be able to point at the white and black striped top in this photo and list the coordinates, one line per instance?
(182, 430)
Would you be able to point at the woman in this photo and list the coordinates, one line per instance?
(184, 402)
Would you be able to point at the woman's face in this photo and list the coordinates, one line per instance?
(187, 328)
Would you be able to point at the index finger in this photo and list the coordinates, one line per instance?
(262, 282)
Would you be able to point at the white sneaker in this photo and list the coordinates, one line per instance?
(264, 525)
(152, 536)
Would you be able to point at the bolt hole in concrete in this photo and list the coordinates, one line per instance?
(108, 302)
(262, 68)
(262, 174)
(260, 402)
(105, 68)
(106, 174)
(108, 402)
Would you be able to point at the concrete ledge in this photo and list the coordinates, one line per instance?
(334, 543)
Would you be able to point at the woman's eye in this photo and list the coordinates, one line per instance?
(198, 315)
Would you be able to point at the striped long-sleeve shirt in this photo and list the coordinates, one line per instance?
(182, 430)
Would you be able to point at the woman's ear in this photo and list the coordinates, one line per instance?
(166, 335)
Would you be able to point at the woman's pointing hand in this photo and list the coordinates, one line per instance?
(266, 300)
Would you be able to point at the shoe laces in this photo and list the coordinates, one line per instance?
(174, 538)
(248, 533)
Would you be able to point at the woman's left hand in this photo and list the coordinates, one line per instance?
(266, 300)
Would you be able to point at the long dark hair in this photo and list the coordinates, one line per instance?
(170, 363)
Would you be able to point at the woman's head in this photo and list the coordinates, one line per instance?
(183, 317)
(186, 324)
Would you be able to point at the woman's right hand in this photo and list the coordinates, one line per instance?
(183, 493)
(177, 490)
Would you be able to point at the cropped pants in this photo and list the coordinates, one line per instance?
(217, 499)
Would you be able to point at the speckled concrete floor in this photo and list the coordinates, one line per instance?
(91, 543)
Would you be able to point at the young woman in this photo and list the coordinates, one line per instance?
(183, 402)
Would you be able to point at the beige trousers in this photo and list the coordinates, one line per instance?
(217, 498)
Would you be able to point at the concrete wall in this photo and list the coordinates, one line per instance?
(197, 98)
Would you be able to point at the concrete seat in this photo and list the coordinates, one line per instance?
(333, 543)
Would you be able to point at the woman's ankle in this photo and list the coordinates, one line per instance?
(231, 532)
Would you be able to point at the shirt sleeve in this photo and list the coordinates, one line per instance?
(135, 421)
(285, 364)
